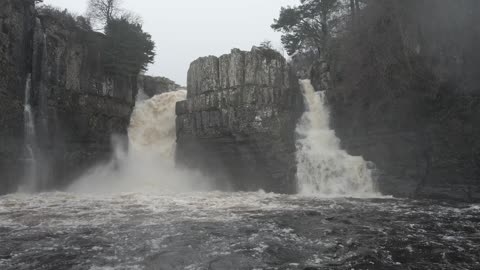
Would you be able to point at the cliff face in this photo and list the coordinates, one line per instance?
(16, 24)
(412, 106)
(238, 122)
(76, 105)
(418, 153)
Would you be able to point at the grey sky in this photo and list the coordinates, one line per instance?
(187, 29)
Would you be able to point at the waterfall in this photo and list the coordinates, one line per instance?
(149, 165)
(152, 125)
(323, 168)
(29, 181)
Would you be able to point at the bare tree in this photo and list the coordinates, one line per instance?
(103, 11)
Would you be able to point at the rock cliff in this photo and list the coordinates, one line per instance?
(238, 122)
(412, 104)
(16, 25)
(77, 105)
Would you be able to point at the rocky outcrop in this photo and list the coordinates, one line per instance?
(152, 86)
(16, 24)
(239, 119)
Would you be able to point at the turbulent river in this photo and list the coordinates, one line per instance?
(140, 212)
(234, 231)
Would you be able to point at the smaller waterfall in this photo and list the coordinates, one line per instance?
(29, 181)
(323, 168)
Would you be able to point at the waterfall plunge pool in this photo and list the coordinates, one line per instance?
(215, 230)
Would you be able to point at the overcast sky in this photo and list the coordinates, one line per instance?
(184, 30)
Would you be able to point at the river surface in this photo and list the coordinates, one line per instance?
(234, 231)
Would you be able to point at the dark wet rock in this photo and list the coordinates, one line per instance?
(16, 24)
(238, 122)
(77, 105)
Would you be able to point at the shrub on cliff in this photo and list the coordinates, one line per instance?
(130, 49)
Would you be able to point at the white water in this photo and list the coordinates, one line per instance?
(29, 179)
(323, 168)
(149, 165)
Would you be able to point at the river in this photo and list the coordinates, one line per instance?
(215, 230)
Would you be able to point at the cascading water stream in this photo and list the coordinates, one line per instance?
(29, 181)
(149, 165)
(152, 126)
(323, 168)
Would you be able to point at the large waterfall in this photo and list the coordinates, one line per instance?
(152, 126)
(323, 168)
(149, 164)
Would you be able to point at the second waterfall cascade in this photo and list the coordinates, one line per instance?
(323, 168)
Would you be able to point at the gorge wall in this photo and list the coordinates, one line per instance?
(412, 103)
(238, 122)
(77, 105)
(16, 24)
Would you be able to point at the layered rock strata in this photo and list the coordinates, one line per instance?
(76, 104)
(79, 105)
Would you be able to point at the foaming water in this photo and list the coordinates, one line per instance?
(323, 168)
(152, 126)
(216, 230)
(148, 166)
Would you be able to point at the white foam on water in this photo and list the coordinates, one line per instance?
(323, 168)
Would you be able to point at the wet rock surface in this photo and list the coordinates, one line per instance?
(238, 121)
(79, 105)
(76, 104)
(16, 23)
(235, 231)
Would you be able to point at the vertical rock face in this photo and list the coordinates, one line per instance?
(237, 124)
(16, 23)
(78, 104)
